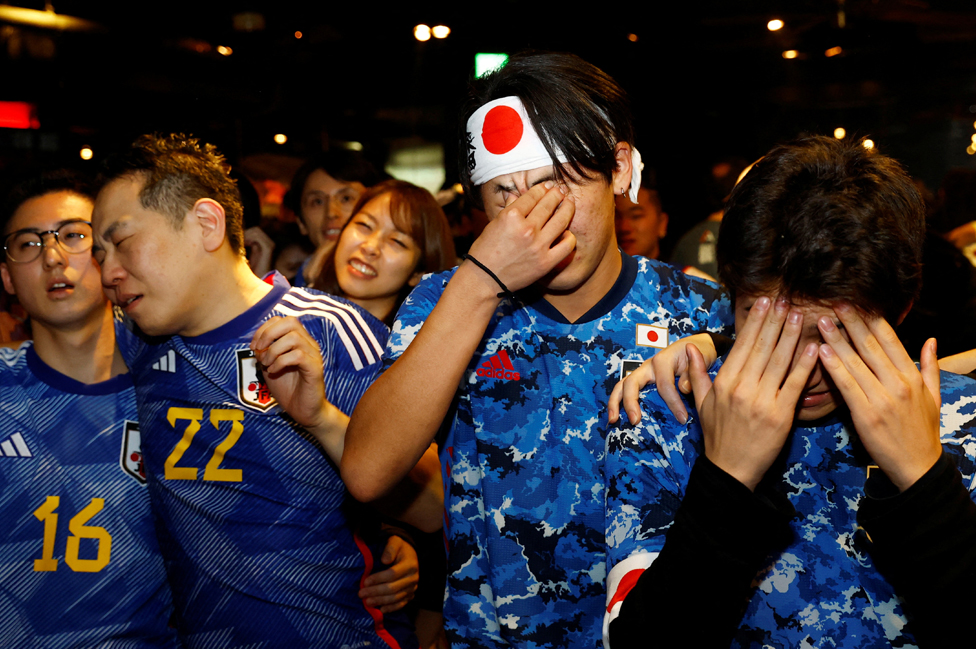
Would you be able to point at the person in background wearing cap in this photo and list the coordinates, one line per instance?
(511, 353)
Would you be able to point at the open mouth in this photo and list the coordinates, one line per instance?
(127, 303)
(361, 268)
(59, 286)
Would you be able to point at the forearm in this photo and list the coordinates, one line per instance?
(419, 498)
(331, 431)
(721, 534)
(397, 418)
(962, 363)
(924, 542)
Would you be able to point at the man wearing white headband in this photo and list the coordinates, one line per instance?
(511, 353)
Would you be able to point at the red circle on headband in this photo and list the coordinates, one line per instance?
(502, 130)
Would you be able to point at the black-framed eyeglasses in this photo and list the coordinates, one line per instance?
(26, 245)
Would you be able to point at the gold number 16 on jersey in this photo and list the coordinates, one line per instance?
(47, 514)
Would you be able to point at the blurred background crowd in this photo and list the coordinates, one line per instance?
(312, 104)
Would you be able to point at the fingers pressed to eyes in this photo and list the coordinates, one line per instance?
(559, 216)
(797, 380)
(782, 357)
(875, 340)
(766, 339)
(746, 336)
(544, 198)
(845, 353)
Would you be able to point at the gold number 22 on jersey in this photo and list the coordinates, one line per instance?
(212, 471)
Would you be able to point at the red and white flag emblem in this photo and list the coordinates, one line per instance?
(131, 459)
(652, 336)
(251, 387)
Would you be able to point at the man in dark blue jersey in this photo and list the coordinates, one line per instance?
(244, 387)
(82, 565)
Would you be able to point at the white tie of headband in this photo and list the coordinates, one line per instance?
(504, 141)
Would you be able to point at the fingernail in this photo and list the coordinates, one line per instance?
(564, 189)
(826, 350)
(842, 307)
(782, 303)
(550, 184)
(826, 324)
(761, 304)
(811, 349)
(795, 317)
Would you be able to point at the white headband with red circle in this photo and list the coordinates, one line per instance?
(503, 141)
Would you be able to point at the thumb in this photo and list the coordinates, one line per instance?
(701, 383)
(930, 370)
(389, 554)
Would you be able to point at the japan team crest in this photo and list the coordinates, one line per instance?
(251, 388)
(131, 459)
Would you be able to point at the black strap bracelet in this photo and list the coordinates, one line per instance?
(505, 292)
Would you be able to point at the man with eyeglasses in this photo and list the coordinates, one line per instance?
(81, 564)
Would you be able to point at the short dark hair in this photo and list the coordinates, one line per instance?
(414, 211)
(573, 105)
(341, 164)
(824, 220)
(179, 170)
(47, 182)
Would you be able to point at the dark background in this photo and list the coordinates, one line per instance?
(706, 78)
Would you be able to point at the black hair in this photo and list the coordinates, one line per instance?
(178, 170)
(574, 107)
(341, 164)
(48, 182)
(825, 220)
(414, 211)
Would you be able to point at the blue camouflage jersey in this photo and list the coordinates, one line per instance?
(79, 561)
(523, 460)
(822, 590)
(258, 531)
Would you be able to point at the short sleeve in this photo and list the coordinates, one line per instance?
(351, 353)
(413, 313)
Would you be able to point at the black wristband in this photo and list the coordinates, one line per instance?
(505, 292)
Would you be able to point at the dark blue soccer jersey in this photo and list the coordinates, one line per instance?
(823, 590)
(258, 530)
(523, 462)
(79, 561)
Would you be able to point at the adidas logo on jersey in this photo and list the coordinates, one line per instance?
(15, 446)
(499, 366)
(166, 363)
